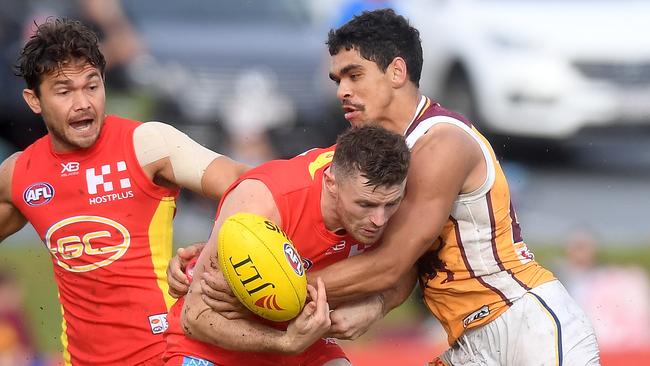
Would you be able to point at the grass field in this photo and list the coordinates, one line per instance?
(33, 266)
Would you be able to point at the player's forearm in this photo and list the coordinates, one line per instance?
(394, 297)
(359, 276)
(219, 175)
(237, 335)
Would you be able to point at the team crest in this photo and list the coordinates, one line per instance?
(38, 194)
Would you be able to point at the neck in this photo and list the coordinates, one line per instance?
(401, 110)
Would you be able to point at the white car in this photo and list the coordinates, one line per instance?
(537, 68)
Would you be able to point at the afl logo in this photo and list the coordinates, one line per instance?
(294, 259)
(38, 194)
(85, 243)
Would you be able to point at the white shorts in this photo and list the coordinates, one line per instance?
(543, 327)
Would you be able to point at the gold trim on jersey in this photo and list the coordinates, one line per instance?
(161, 234)
(320, 161)
(64, 336)
(426, 106)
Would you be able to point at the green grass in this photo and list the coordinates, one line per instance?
(33, 266)
(624, 255)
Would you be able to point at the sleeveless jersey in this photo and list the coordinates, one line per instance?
(479, 264)
(296, 185)
(109, 231)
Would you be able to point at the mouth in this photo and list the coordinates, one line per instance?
(82, 125)
(350, 113)
(348, 109)
(351, 110)
(370, 232)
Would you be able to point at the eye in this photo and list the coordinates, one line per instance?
(63, 92)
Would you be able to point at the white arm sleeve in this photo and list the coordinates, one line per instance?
(153, 141)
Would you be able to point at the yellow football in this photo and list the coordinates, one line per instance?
(262, 266)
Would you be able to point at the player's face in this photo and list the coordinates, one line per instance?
(72, 104)
(364, 90)
(364, 210)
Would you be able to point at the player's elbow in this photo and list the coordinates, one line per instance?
(189, 323)
(192, 323)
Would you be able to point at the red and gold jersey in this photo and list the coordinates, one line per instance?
(109, 231)
(479, 264)
(296, 185)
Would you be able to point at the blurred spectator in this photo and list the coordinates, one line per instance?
(256, 108)
(16, 346)
(615, 298)
(18, 125)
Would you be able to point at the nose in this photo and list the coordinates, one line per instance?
(343, 92)
(81, 101)
(379, 217)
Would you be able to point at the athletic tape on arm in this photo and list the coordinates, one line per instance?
(153, 141)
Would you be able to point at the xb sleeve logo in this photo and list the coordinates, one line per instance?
(70, 167)
(85, 243)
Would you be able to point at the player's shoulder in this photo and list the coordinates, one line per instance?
(9, 163)
(285, 176)
(445, 136)
(445, 147)
(153, 126)
(300, 167)
(6, 174)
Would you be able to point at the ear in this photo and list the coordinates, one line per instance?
(330, 181)
(399, 73)
(32, 100)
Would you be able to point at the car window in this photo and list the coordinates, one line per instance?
(225, 11)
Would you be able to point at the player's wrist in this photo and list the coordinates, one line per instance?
(287, 344)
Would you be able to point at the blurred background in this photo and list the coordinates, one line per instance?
(562, 89)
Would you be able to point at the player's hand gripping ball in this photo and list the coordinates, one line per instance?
(262, 267)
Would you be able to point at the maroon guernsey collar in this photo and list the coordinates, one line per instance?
(419, 111)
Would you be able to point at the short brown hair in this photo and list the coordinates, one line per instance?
(56, 42)
(379, 155)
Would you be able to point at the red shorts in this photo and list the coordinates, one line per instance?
(316, 355)
(153, 361)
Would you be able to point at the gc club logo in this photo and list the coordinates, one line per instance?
(85, 243)
(38, 194)
(294, 259)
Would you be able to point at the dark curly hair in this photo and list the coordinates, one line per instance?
(56, 42)
(380, 36)
(379, 155)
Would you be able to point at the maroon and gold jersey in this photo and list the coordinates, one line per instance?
(479, 264)
(296, 185)
(109, 231)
